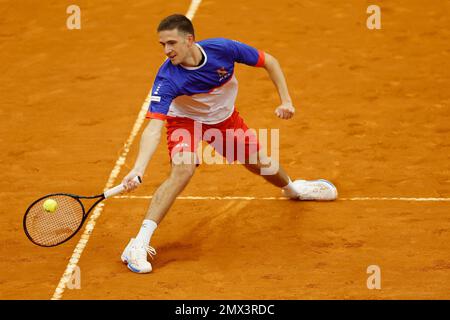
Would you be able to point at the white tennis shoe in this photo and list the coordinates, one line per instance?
(319, 190)
(135, 256)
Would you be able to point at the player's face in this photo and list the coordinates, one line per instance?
(176, 45)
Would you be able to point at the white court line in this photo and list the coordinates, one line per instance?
(57, 295)
(283, 198)
(396, 199)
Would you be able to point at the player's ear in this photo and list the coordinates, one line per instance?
(190, 39)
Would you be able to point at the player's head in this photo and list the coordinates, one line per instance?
(176, 35)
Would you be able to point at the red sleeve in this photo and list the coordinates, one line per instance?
(261, 59)
(154, 115)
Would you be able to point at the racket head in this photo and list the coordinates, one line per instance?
(49, 229)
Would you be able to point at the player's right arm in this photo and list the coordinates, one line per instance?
(150, 138)
(163, 92)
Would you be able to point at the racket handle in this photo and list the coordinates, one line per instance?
(120, 188)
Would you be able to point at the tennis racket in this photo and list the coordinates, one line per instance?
(49, 228)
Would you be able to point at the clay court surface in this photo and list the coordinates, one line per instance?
(373, 116)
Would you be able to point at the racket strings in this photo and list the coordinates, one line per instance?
(51, 228)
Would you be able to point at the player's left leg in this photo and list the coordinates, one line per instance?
(243, 146)
(321, 189)
(278, 178)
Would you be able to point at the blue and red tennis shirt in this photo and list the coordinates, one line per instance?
(205, 93)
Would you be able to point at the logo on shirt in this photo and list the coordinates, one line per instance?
(223, 74)
(157, 89)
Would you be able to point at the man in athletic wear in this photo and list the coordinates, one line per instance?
(196, 88)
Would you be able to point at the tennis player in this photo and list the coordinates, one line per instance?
(196, 88)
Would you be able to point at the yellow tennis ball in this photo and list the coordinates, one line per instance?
(50, 205)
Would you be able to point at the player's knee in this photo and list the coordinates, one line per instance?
(183, 172)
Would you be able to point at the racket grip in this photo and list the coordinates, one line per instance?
(120, 188)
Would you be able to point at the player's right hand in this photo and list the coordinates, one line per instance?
(128, 182)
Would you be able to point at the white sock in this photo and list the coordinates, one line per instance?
(146, 231)
(289, 189)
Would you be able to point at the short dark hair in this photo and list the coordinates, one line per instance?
(177, 21)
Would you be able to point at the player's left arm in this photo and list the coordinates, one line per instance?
(286, 109)
(243, 53)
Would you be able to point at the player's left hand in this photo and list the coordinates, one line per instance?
(285, 111)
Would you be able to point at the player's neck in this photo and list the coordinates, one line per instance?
(195, 57)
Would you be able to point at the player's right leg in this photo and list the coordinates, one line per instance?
(135, 254)
(182, 143)
(166, 194)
